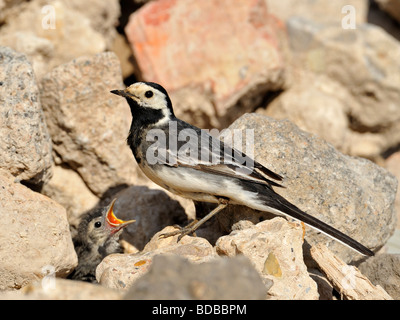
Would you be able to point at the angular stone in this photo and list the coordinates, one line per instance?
(88, 124)
(25, 144)
(228, 55)
(34, 236)
(351, 194)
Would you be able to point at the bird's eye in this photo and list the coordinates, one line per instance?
(97, 224)
(149, 94)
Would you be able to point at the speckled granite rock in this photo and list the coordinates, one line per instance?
(25, 144)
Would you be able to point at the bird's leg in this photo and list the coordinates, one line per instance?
(188, 226)
(192, 227)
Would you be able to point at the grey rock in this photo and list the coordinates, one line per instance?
(351, 194)
(25, 144)
(384, 270)
(175, 278)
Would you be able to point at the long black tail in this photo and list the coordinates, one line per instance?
(275, 201)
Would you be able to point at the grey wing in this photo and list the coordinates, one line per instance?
(189, 146)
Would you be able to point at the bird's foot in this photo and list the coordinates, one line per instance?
(192, 227)
(182, 231)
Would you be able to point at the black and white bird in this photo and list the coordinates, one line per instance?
(97, 237)
(193, 164)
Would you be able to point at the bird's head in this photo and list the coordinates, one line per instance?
(149, 96)
(99, 226)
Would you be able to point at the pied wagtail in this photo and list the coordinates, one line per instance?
(97, 237)
(218, 176)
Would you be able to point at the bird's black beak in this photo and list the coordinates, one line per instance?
(121, 93)
(125, 94)
(113, 223)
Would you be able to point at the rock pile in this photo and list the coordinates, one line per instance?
(317, 95)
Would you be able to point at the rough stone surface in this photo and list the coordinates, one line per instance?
(230, 70)
(121, 271)
(87, 123)
(175, 278)
(34, 238)
(353, 195)
(25, 145)
(275, 249)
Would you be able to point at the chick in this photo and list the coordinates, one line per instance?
(97, 237)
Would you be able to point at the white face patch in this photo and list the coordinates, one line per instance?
(148, 97)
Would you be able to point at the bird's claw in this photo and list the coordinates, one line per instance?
(182, 231)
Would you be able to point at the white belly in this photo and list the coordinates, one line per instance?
(198, 185)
